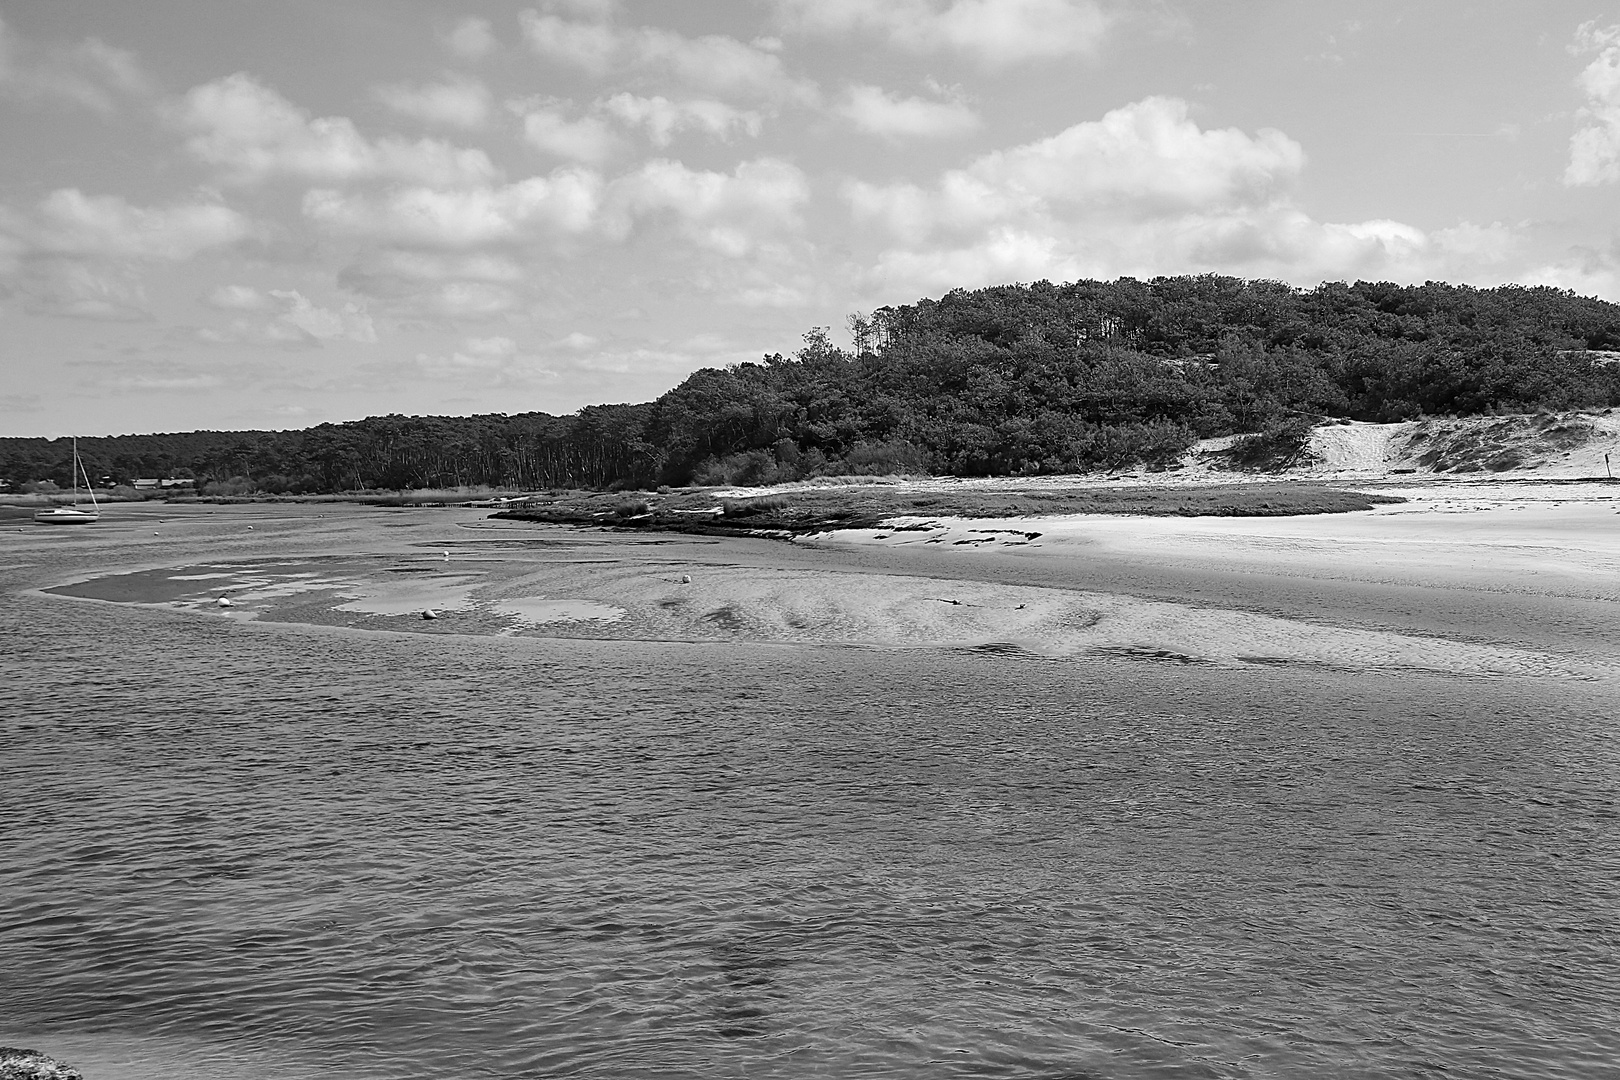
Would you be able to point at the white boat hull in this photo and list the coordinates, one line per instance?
(63, 515)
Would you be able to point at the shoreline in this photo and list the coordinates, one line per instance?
(1492, 580)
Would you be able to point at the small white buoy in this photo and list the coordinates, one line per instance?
(686, 579)
(430, 614)
(250, 528)
(225, 601)
(447, 556)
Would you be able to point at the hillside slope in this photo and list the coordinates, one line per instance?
(1569, 445)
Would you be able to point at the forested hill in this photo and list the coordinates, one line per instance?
(1012, 379)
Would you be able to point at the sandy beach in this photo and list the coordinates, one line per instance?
(1477, 579)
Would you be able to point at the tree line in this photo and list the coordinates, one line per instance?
(1006, 380)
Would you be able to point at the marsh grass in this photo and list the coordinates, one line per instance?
(818, 509)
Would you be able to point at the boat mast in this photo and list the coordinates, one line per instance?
(87, 485)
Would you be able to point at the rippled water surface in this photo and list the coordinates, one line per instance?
(246, 850)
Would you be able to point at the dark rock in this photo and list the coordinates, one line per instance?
(19, 1064)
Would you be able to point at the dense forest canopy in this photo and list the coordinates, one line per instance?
(1006, 380)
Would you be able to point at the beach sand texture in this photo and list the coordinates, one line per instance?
(1481, 580)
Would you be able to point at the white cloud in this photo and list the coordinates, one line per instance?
(489, 361)
(592, 46)
(566, 202)
(437, 284)
(75, 289)
(468, 300)
(413, 267)
(81, 256)
(1594, 149)
(713, 62)
(325, 324)
(472, 39)
(1148, 154)
(663, 119)
(90, 74)
(873, 110)
(729, 213)
(1142, 160)
(996, 32)
(457, 101)
(238, 298)
(253, 133)
(494, 347)
(298, 322)
(1590, 271)
(1141, 191)
(69, 223)
(547, 128)
(721, 65)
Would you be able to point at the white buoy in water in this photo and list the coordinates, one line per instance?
(686, 579)
(430, 614)
(447, 556)
(225, 601)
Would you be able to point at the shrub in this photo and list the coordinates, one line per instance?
(885, 458)
(747, 507)
(1278, 446)
(750, 468)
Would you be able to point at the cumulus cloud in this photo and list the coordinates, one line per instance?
(471, 39)
(456, 101)
(1594, 149)
(324, 324)
(496, 361)
(730, 213)
(995, 32)
(593, 46)
(547, 127)
(663, 119)
(877, 112)
(68, 222)
(437, 284)
(1143, 159)
(588, 38)
(75, 289)
(1143, 190)
(566, 202)
(90, 74)
(1587, 269)
(297, 322)
(237, 298)
(377, 269)
(80, 256)
(252, 133)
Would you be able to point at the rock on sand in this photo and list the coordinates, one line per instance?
(19, 1064)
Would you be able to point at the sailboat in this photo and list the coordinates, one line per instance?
(72, 515)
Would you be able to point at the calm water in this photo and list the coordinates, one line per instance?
(237, 850)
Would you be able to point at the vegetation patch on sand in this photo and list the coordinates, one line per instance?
(812, 510)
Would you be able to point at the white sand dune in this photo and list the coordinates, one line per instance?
(1547, 446)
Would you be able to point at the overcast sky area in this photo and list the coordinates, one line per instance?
(219, 214)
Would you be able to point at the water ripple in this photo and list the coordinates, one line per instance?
(267, 851)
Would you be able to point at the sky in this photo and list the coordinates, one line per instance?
(225, 214)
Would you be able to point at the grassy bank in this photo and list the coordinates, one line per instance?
(819, 509)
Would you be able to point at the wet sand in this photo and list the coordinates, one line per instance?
(1510, 580)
